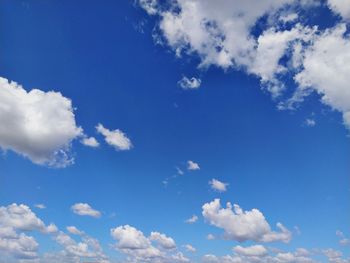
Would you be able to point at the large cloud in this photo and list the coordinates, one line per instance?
(326, 67)
(243, 225)
(36, 124)
(221, 33)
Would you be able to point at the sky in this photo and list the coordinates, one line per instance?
(175, 131)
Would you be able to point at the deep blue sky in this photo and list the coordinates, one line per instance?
(103, 57)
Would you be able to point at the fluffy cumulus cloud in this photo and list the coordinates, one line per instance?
(115, 138)
(139, 248)
(16, 221)
(85, 209)
(36, 124)
(242, 225)
(221, 33)
(218, 185)
(192, 83)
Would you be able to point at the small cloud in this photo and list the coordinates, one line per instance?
(179, 171)
(40, 206)
(192, 220)
(190, 248)
(310, 122)
(191, 165)
(84, 209)
(90, 141)
(115, 138)
(192, 83)
(218, 186)
(210, 237)
(343, 240)
(73, 230)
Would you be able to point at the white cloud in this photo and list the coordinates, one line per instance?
(343, 240)
(210, 237)
(36, 124)
(326, 66)
(335, 256)
(22, 218)
(191, 165)
(217, 185)
(192, 83)
(192, 219)
(310, 122)
(139, 248)
(40, 206)
(256, 250)
(242, 225)
(15, 222)
(90, 141)
(73, 230)
(190, 248)
(85, 209)
(219, 33)
(258, 254)
(164, 241)
(115, 138)
(341, 7)
(88, 247)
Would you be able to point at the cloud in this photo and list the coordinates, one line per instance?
(192, 83)
(326, 65)
(242, 225)
(210, 237)
(85, 209)
(22, 218)
(90, 141)
(15, 222)
(310, 122)
(256, 250)
(220, 34)
(190, 248)
(192, 219)
(193, 166)
(258, 254)
(73, 230)
(88, 247)
(115, 138)
(217, 185)
(40, 206)
(36, 124)
(164, 241)
(340, 7)
(139, 248)
(343, 240)
(335, 256)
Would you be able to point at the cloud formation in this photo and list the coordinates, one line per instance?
(192, 166)
(242, 225)
(221, 34)
(36, 124)
(115, 138)
(192, 83)
(85, 209)
(218, 185)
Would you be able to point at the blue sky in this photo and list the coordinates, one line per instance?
(261, 105)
